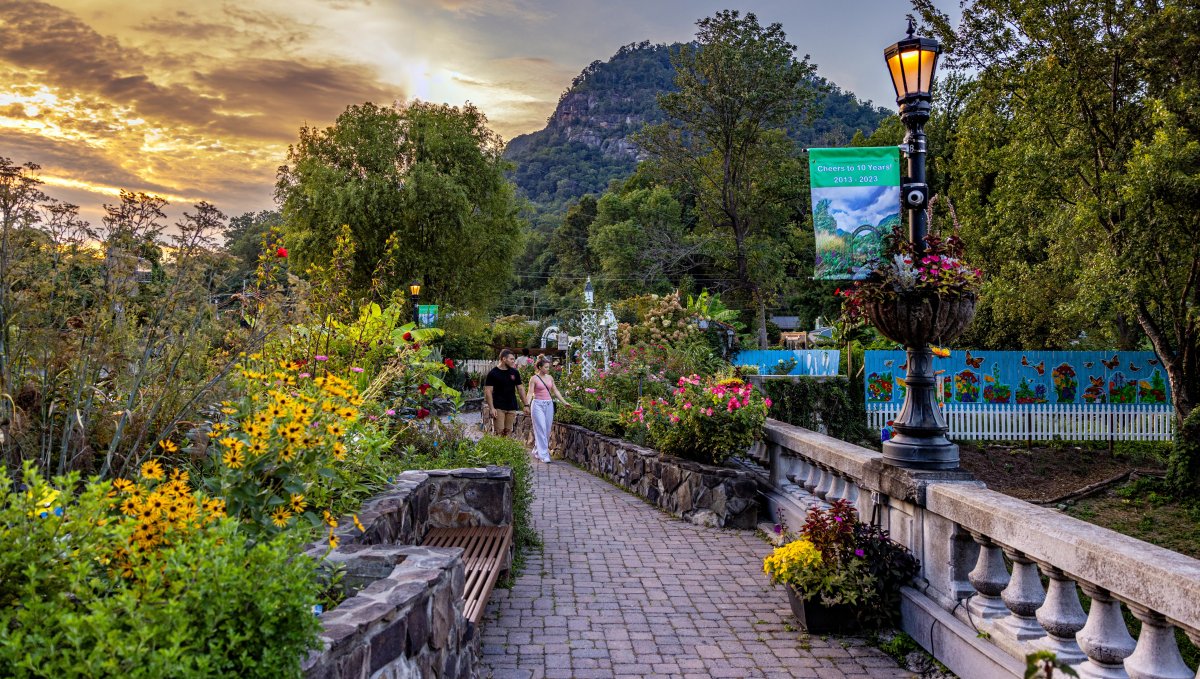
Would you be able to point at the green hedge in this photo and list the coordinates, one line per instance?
(807, 401)
(604, 422)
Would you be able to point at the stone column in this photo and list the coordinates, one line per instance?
(989, 578)
(1104, 639)
(1156, 655)
(1061, 616)
(825, 482)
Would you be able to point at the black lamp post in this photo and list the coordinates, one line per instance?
(920, 440)
(414, 289)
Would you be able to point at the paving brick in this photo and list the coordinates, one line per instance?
(622, 590)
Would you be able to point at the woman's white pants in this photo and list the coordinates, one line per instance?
(543, 417)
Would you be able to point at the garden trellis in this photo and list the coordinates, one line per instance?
(1034, 395)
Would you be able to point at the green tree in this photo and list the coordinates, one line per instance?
(422, 189)
(1091, 163)
(641, 242)
(725, 140)
(245, 238)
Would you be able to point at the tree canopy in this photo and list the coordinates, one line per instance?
(422, 191)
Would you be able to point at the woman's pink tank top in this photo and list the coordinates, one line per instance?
(541, 392)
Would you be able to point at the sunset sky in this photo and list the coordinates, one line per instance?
(198, 100)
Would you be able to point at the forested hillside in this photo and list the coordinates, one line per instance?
(586, 142)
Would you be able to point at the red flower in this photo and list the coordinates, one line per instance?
(423, 388)
(408, 337)
(449, 363)
(281, 252)
(422, 413)
(416, 345)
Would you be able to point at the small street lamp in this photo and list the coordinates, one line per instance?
(414, 289)
(920, 440)
(589, 292)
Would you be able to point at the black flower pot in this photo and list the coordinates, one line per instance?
(816, 618)
(915, 319)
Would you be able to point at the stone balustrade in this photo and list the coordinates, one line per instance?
(980, 604)
(403, 612)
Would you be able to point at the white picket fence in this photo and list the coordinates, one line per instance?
(476, 365)
(1039, 422)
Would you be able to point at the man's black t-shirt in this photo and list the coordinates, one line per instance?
(503, 382)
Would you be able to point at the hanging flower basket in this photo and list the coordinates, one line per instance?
(920, 318)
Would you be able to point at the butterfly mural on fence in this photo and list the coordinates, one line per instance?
(1113, 364)
(974, 362)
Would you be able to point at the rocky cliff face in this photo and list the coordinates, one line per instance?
(577, 120)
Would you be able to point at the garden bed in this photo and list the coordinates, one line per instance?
(703, 494)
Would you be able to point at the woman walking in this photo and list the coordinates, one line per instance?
(540, 400)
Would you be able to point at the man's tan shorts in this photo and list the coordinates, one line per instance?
(503, 423)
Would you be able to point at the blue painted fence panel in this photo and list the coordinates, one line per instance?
(1027, 377)
(808, 361)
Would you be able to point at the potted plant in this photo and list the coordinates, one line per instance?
(842, 575)
(918, 300)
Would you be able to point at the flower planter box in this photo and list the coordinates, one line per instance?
(816, 618)
(703, 494)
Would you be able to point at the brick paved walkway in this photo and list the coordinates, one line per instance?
(623, 590)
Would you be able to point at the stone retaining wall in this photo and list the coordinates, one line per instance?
(403, 615)
(703, 494)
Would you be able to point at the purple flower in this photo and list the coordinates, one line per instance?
(305, 374)
(778, 529)
(356, 369)
(838, 519)
(390, 412)
(321, 358)
(859, 552)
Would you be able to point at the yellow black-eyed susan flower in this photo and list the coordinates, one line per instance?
(233, 458)
(153, 469)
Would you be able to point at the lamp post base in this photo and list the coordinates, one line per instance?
(921, 452)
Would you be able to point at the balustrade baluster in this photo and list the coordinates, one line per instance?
(814, 477)
(1194, 635)
(989, 578)
(826, 481)
(1061, 616)
(837, 489)
(1157, 655)
(1104, 638)
(1023, 596)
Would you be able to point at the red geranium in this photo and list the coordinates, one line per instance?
(449, 363)
(422, 413)
(423, 388)
(281, 252)
(408, 337)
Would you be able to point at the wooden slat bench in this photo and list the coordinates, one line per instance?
(485, 553)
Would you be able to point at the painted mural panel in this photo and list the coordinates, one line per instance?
(1027, 377)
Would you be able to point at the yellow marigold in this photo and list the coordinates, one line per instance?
(153, 469)
(789, 562)
(280, 517)
(168, 446)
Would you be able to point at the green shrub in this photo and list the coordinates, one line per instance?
(1183, 470)
(807, 402)
(214, 604)
(707, 420)
(604, 422)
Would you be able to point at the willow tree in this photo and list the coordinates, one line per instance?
(724, 139)
(422, 190)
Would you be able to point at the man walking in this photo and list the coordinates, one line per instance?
(501, 388)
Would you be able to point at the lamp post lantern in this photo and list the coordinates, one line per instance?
(919, 441)
(414, 289)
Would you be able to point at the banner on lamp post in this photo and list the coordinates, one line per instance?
(428, 313)
(855, 202)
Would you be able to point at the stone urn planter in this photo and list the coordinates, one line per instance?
(816, 618)
(917, 319)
